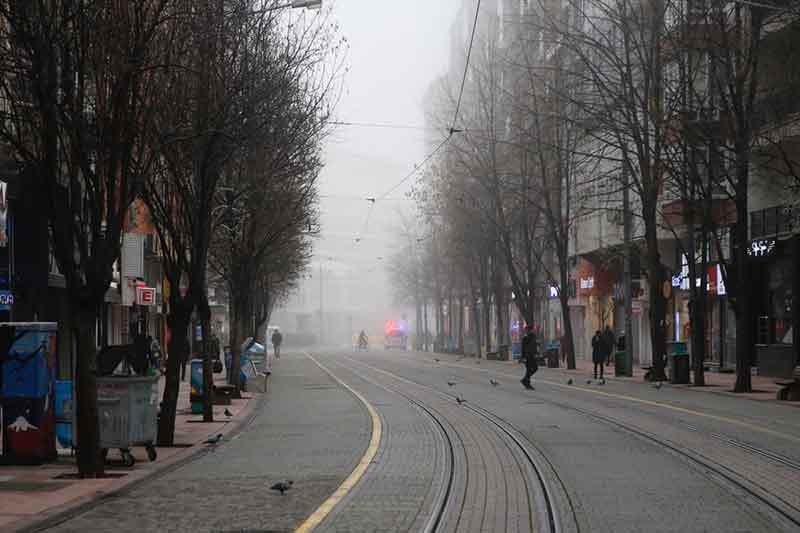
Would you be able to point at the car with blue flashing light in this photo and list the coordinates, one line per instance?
(395, 335)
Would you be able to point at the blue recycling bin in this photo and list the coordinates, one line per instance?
(243, 361)
(196, 381)
(63, 407)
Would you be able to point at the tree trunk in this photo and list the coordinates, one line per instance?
(567, 343)
(89, 459)
(177, 353)
(658, 304)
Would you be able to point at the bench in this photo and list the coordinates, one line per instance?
(223, 394)
(790, 388)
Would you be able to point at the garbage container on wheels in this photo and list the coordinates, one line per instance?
(678, 363)
(127, 412)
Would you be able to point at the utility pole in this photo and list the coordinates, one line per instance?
(321, 315)
(627, 282)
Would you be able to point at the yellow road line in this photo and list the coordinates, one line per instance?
(347, 485)
(642, 401)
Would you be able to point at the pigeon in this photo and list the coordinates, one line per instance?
(494, 383)
(602, 382)
(657, 385)
(478, 362)
(228, 413)
(436, 360)
(451, 383)
(213, 441)
(588, 381)
(569, 381)
(460, 400)
(282, 486)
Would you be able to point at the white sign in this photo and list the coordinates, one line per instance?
(132, 263)
(553, 291)
(145, 296)
(587, 283)
(761, 247)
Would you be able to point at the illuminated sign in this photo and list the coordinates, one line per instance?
(761, 247)
(553, 291)
(587, 283)
(145, 296)
(6, 300)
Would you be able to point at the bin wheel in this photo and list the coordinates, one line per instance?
(128, 459)
(151, 453)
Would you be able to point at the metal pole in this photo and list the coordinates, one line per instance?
(321, 315)
(627, 278)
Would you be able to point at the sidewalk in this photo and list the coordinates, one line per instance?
(764, 389)
(31, 494)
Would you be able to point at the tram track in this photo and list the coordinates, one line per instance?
(525, 453)
(770, 500)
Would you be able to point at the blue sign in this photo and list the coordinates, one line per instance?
(6, 300)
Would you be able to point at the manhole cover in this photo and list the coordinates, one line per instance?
(32, 486)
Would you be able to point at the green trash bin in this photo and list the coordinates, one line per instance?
(678, 363)
(619, 363)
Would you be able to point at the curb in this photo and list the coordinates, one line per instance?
(57, 515)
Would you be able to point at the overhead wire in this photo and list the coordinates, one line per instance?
(451, 131)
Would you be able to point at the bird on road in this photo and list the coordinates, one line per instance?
(451, 383)
(228, 413)
(658, 385)
(569, 381)
(588, 381)
(282, 486)
(494, 383)
(213, 441)
(460, 400)
(436, 360)
(602, 381)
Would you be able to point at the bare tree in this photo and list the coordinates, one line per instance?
(76, 89)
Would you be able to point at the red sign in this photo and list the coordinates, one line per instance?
(145, 296)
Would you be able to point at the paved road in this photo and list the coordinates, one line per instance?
(566, 457)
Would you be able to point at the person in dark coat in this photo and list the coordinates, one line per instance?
(598, 353)
(608, 343)
(277, 339)
(530, 349)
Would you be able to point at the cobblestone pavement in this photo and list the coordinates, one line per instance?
(617, 457)
(627, 453)
(308, 429)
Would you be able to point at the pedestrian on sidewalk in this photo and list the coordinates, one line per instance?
(608, 343)
(277, 339)
(530, 349)
(598, 353)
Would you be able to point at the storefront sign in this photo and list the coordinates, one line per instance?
(761, 247)
(553, 291)
(145, 296)
(6, 300)
(587, 283)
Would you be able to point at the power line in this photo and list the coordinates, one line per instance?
(466, 68)
(416, 168)
(382, 125)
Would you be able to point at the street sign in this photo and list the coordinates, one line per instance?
(145, 296)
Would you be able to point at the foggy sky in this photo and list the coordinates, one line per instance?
(397, 49)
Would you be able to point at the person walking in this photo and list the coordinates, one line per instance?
(530, 349)
(277, 339)
(608, 343)
(598, 353)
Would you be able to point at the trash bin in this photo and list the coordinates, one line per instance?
(619, 363)
(678, 363)
(552, 357)
(127, 409)
(196, 381)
